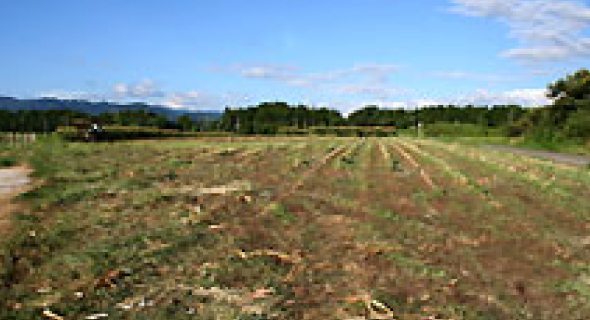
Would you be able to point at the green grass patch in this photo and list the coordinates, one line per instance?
(416, 266)
(387, 215)
(281, 212)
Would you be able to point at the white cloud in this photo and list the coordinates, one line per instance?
(540, 72)
(407, 104)
(202, 100)
(536, 97)
(463, 75)
(348, 107)
(538, 53)
(361, 79)
(481, 97)
(269, 72)
(378, 91)
(524, 97)
(71, 95)
(548, 29)
(288, 74)
(191, 100)
(143, 89)
(182, 100)
(198, 100)
(376, 73)
(345, 107)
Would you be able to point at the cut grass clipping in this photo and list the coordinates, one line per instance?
(200, 230)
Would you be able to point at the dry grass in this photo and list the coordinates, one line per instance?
(274, 228)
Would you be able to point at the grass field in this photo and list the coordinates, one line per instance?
(296, 228)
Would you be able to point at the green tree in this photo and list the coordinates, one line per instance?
(185, 122)
(573, 87)
(578, 124)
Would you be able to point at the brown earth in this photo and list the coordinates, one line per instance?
(13, 181)
(336, 229)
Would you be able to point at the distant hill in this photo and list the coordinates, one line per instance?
(13, 104)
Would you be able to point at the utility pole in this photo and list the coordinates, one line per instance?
(417, 123)
(44, 125)
(420, 133)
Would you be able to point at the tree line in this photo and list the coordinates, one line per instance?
(269, 117)
(40, 121)
(401, 118)
(568, 117)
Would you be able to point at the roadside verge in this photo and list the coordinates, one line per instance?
(13, 181)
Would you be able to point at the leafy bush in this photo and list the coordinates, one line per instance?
(7, 162)
(442, 129)
(578, 125)
(546, 138)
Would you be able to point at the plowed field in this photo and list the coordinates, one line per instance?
(302, 228)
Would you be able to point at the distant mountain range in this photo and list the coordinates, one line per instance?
(13, 104)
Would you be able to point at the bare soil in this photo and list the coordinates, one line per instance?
(12, 182)
(322, 231)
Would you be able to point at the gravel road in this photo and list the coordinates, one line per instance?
(566, 158)
(12, 179)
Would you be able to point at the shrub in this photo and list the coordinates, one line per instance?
(443, 129)
(578, 125)
(7, 162)
(545, 138)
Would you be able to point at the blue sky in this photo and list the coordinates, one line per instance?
(341, 54)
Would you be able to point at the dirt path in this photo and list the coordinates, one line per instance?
(12, 182)
(565, 158)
